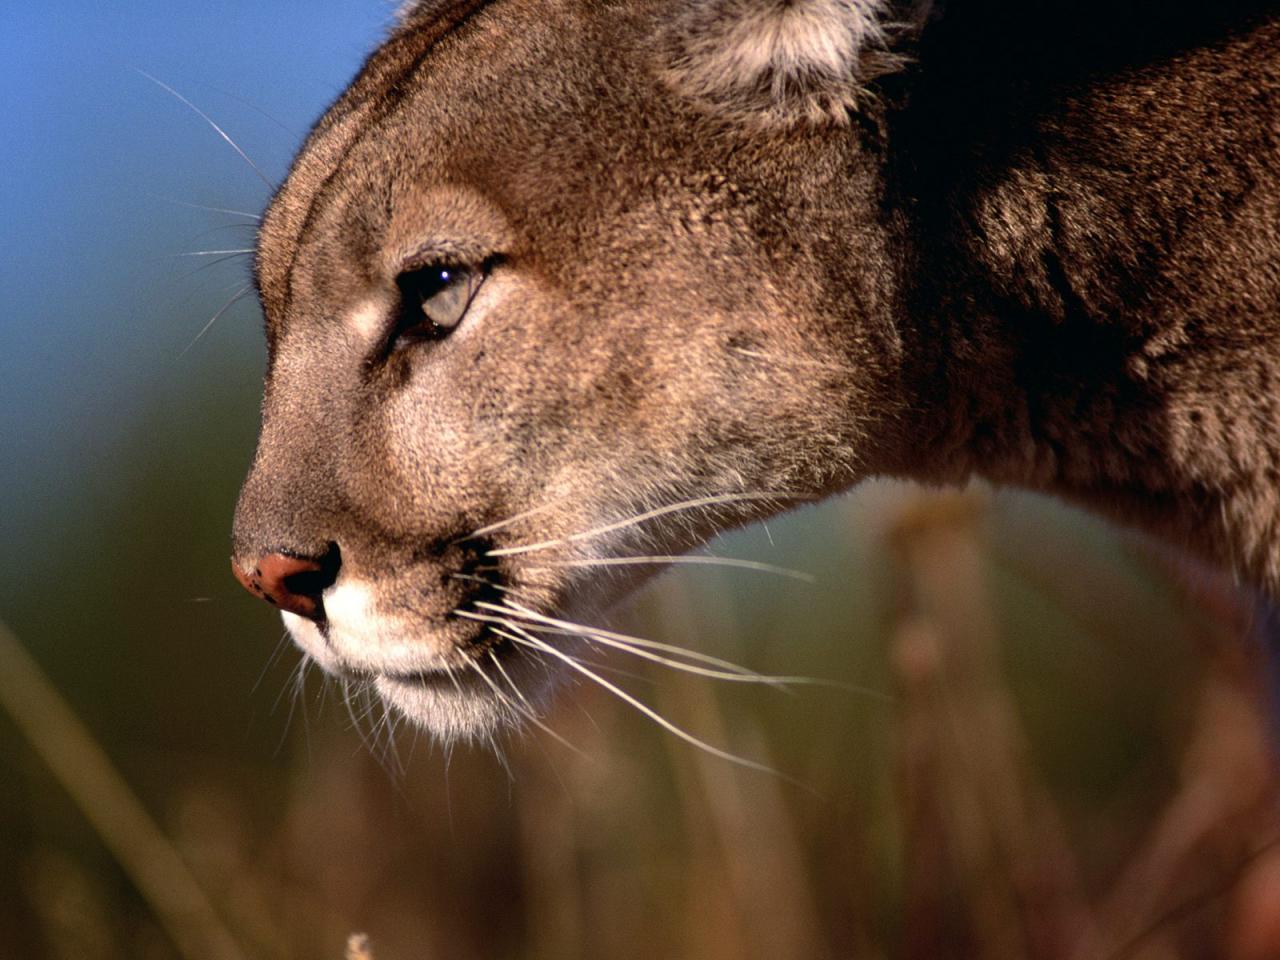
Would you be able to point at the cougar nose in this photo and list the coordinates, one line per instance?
(294, 584)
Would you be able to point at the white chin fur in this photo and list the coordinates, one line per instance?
(443, 710)
(448, 712)
(310, 641)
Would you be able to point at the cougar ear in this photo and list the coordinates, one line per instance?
(776, 60)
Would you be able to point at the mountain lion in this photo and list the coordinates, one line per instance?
(560, 288)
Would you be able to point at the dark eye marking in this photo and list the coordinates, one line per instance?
(433, 301)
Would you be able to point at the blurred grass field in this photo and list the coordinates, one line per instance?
(1064, 752)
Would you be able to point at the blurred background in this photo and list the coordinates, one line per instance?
(1058, 744)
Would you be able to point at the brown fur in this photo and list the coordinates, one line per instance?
(1044, 251)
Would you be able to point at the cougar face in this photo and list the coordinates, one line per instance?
(520, 293)
(559, 288)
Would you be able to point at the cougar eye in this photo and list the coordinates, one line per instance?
(434, 299)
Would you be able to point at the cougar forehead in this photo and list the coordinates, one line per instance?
(651, 333)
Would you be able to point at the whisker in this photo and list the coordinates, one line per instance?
(696, 503)
(201, 206)
(729, 671)
(697, 559)
(372, 705)
(208, 265)
(524, 652)
(453, 678)
(366, 704)
(595, 664)
(209, 120)
(491, 528)
(236, 298)
(255, 108)
(300, 701)
(503, 761)
(489, 682)
(527, 710)
(391, 761)
(351, 712)
(658, 718)
(578, 629)
(209, 253)
(280, 646)
(387, 758)
(322, 695)
(297, 675)
(275, 704)
(224, 228)
(729, 675)
(512, 684)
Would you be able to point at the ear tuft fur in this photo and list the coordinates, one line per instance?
(777, 60)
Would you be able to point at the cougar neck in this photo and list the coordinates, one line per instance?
(1095, 297)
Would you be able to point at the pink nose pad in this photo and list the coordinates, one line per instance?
(290, 583)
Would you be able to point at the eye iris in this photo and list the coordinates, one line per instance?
(434, 301)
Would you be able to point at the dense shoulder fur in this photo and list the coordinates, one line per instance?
(558, 286)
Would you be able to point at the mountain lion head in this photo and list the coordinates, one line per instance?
(559, 288)
(540, 272)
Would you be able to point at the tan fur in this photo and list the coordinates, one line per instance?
(1047, 258)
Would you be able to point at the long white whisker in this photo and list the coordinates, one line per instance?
(300, 697)
(733, 676)
(356, 721)
(578, 629)
(209, 265)
(236, 298)
(658, 718)
(211, 253)
(370, 704)
(209, 120)
(527, 710)
(523, 651)
(255, 108)
(201, 206)
(697, 502)
(292, 686)
(275, 704)
(322, 695)
(696, 559)
(453, 678)
(607, 668)
(271, 660)
(532, 511)
(511, 683)
(729, 670)
(391, 755)
(489, 682)
(224, 228)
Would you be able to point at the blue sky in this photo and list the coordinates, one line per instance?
(97, 309)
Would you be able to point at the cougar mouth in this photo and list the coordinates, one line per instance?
(472, 667)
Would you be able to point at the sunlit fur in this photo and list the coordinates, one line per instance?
(740, 255)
